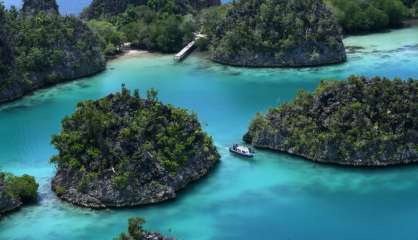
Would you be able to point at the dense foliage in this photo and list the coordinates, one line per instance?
(160, 27)
(209, 21)
(6, 55)
(137, 232)
(110, 8)
(111, 38)
(45, 49)
(119, 131)
(164, 26)
(48, 42)
(357, 16)
(23, 188)
(357, 122)
(33, 7)
(277, 33)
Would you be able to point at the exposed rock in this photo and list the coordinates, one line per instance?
(357, 122)
(8, 203)
(155, 236)
(34, 7)
(137, 232)
(278, 33)
(130, 152)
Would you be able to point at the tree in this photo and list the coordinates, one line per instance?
(110, 35)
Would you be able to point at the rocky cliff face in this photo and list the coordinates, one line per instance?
(131, 152)
(109, 8)
(33, 7)
(48, 49)
(278, 33)
(8, 203)
(358, 122)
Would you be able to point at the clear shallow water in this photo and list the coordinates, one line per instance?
(273, 197)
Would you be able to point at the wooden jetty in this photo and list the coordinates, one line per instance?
(185, 51)
(180, 56)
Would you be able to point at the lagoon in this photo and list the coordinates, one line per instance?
(274, 196)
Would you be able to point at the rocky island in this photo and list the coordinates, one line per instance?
(278, 33)
(356, 122)
(16, 192)
(137, 232)
(125, 151)
(41, 48)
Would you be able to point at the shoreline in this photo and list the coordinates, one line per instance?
(134, 53)
(131, 53)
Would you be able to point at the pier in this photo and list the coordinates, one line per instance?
(180, 56)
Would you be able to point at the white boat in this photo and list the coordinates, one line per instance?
(242, 150)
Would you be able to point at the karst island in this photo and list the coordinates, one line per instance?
(357, 122)
(125, 151)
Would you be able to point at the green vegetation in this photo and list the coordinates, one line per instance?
(164, 26)
(6, 55)
(105, 9)
(209, 21)
(43, 49)
(120, 130)
(135, 230)
(40, 43)
(275, 33)
(112, 40)
(357, 122)
(23, 188)
(358, 16)
(33, 7)
(159, 29)
(413, 7)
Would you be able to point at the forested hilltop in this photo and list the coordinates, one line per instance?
(163, 26)
(110, 8)
(137, 232)
(362, 16)
(358, 122)
(277, 33)
(40, 48)
(124, 151)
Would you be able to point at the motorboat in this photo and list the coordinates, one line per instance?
(242, 150)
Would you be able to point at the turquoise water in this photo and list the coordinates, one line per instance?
(275, 196)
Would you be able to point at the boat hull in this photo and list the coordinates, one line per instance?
(249, 155)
